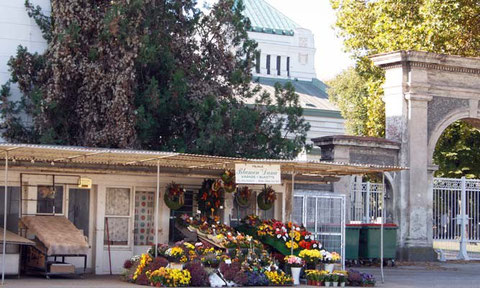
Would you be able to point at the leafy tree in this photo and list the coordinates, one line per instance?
(371, 27)
(151, 74)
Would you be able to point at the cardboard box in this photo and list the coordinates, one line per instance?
(62, 268)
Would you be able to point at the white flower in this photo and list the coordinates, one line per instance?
(198, 244)
(298, 228)
(278, 236)
(228, 261)
(307, 237)
(284, 238)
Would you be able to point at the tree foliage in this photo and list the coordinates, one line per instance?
(457, 152)
(371, 27)
(150, 74)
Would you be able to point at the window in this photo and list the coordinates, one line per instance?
(257, 62)
(13, 199)
(49, 198)
(279, 64)
(298, 210)
(268, 64)
(117, 214)
(288, 66)
(303, 59)
(239, 212)
(144, 226)
(79, 208)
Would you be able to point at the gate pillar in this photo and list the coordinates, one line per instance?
(423, 94)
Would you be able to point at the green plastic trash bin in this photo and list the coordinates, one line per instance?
(352, 241)
(370, 241)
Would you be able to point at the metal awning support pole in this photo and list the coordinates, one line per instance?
(157, 199)
(5, 219)
(291, 210)
(381, 226)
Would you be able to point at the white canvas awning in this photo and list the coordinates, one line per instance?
(141, 158)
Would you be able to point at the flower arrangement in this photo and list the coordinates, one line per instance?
(294, 261)
(266, 198)
(342, 275)
(209, 200)
(169, 277)
(144, 260)
(243, 196)
(252, 220)
(198, 273)
(312, 256)
(316, 277)
(174, 196)
(176, 254)
(228, 179)
(330, 257)
(278, 278)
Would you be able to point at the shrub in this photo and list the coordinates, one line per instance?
(241, 279)
(198, 273)
(156, 264)
(230, 271)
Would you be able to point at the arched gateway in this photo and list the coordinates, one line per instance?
(424, 94)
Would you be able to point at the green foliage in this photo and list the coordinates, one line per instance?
(371, 27)
(150, 74)
(457, 152)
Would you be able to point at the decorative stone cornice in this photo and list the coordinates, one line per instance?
(427, 61)
(418, 97)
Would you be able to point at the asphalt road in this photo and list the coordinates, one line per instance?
(432, 275)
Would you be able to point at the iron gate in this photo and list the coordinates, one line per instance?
(456, 217)
(365, 201)
(324, 216)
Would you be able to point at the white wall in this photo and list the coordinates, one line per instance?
(16, 28)
(300, 48)
(98, 260)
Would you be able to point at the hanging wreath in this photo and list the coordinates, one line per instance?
(266, 198)
(228, 179)
(209, 200)
(243, 196)
(174, 196)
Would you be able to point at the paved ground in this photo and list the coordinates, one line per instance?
(432, 275)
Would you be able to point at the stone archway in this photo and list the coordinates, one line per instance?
(424, 94)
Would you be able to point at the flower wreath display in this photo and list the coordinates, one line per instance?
(209, 200)
(266, 198)
(242, 197)
(228, 179)
(174, 196)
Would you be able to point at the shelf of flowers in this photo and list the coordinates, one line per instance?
(228, 257)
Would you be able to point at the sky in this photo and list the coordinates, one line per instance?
(319, 17)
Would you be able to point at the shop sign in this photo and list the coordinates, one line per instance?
(257, 174)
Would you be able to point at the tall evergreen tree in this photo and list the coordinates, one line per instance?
(151, 74)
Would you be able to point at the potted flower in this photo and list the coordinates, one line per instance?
(311, 257)
(174, 196)
(368, 280)
(334, 279)
(342, 277)
(266, 198)
(311, 277)
(329, 259)
(328, 280)
(296, 264)
(176, 256)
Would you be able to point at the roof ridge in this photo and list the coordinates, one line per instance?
(265, 18)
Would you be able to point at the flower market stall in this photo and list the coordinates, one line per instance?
(120, 195)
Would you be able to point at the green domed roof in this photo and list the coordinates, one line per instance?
(267, 19)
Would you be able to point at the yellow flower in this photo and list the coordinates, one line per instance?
(144, 260)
